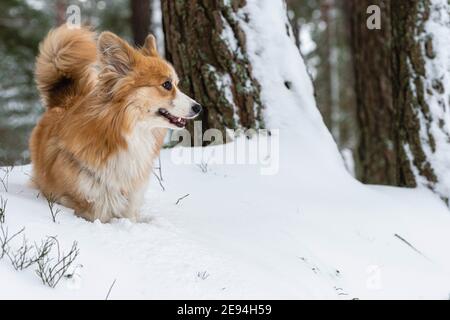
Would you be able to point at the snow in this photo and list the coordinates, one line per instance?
(228, 36)
(309, 230)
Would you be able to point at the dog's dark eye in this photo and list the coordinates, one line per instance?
(167, 85)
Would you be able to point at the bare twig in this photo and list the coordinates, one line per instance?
(44, 248)
(410, 245)
(3, 203)
(20, 258)
(5, 239)
(183, 197)
(110, 289)
(51, 201)
(49, 269)
(159, 180)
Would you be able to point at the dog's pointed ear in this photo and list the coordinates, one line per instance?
(115, 53)
(150, 48)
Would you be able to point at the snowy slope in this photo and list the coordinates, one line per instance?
(242, 235)
(309, 231)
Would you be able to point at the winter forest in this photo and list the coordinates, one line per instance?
(318, 167)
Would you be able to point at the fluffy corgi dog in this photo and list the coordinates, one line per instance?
(108, 106)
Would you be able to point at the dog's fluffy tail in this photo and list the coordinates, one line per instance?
(64, 65)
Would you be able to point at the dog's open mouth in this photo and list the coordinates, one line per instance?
(178, 121)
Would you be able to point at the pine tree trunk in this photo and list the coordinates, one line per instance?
(403, 88)
(421, 62)
(408, 51)
(140, 20)
(376, 159)
(207, 46)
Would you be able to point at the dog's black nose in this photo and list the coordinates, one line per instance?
(196, 108)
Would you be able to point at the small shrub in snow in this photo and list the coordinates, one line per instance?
(26, 255)
(110, 289)
(52, 270)
(6, 238)
(5, 179)
(21, 258)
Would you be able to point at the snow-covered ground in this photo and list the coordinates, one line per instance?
(307, 232)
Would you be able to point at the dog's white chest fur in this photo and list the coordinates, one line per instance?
(117, 190)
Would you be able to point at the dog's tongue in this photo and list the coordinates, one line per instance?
(178, 121)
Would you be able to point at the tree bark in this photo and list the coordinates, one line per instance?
(423, 100)
(376, 158)
(140, 20)
(403, 91)
(207, 47)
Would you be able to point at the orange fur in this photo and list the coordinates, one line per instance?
(94, 147)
